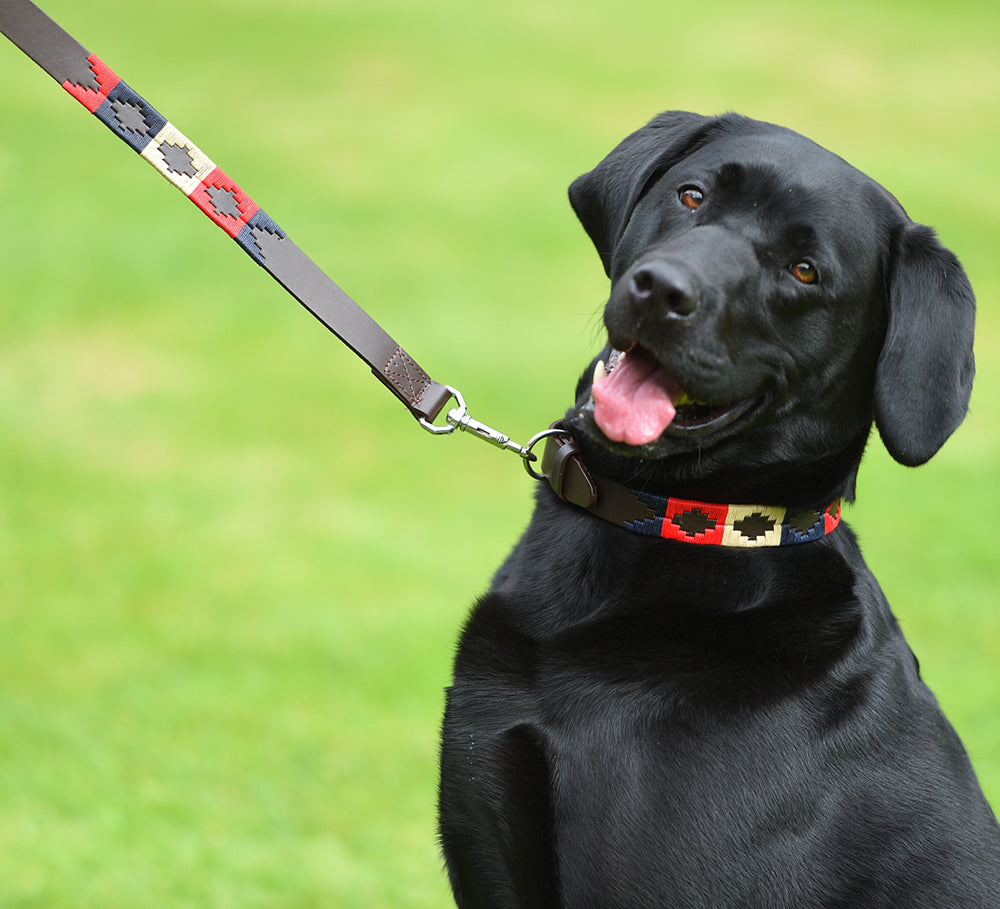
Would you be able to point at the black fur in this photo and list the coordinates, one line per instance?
(643, 723)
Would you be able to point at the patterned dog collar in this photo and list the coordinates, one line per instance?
(732, 525)
(746, 526)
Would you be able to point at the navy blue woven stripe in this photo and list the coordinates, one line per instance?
(790, 535)
(130, 117)
(247, 238)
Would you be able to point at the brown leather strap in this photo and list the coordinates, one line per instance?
(325, 299)
(562, 465)
(566, 472)
(141, 126)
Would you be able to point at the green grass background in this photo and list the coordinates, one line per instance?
(231, 568)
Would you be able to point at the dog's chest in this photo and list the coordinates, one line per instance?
(665, 795)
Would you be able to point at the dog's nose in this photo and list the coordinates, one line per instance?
(664, 286)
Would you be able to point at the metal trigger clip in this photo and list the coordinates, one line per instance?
(458, 418)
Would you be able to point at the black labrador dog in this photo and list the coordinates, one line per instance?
(685, 687)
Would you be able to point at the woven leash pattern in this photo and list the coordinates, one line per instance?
(137, 123)
(175, 157)
(141, 126)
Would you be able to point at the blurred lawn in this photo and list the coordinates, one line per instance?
(231, 567)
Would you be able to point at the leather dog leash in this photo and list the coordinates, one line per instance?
(136, 122)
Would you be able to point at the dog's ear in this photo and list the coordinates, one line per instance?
(603, 199)
(925, 370)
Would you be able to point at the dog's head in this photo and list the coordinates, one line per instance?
(768, 302)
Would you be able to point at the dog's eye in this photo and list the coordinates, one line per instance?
(805, 272)
(691, 197)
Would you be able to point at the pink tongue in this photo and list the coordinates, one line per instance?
(632, 404)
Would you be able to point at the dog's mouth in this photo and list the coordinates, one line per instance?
(637, 400)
